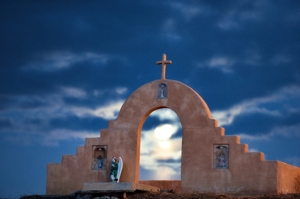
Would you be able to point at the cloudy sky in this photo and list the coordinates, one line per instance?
(66, 69)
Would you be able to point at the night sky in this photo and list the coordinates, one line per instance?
(66, 67)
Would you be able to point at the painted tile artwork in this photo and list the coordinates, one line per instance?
(221, 156)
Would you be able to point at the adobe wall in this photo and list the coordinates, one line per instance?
(245, 172)
(67, 177)
(288, 178)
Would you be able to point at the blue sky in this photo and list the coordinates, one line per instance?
(66, 68)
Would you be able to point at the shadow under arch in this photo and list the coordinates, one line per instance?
(160, 151)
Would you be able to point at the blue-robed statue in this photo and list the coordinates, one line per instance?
(100, 162)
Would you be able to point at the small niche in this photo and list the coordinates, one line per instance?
(221, 156)
(162, 91)
(99, 157)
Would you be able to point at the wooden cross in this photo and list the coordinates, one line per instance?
(163, 63)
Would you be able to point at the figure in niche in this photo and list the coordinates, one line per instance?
(221, 160)
(221, 153)
(161, 91)
(100, 163)
(114, 169)
(99, 157)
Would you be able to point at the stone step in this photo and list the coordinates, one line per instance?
(118, 187)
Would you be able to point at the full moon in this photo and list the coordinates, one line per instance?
(164, 131)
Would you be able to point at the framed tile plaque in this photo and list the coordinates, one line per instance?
(221, 156)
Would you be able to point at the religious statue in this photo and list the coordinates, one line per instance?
(100, 163)
(162, 91)
(114, 169)
(221, 160)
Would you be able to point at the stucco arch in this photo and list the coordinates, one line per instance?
(190, 108)
(183, 100)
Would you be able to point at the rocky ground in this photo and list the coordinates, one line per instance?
(162, 195)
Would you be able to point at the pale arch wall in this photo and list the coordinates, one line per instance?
(248, 173)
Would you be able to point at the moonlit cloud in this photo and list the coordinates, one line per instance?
(188, 11)
(45, 137)
(228, 64)
(253, 150)
(227, 24)
(109, 111)
(169, 30)
(121, 90)
(287, 131)
(256, 105)
(73, 92)
(166, 173)
(55, 106)
(114, 91)
(237, 16)
(222, 63)
(165, 131)
(156, 152)
(164, 114)
(281, 132)
(280, 59)
(53, 138)
(254, 137)
(152, 151)
(54, 61)
(35, 113)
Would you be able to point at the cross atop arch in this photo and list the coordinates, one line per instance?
(163, 63)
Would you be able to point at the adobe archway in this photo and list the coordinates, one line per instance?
(184, 101)
(243, 172)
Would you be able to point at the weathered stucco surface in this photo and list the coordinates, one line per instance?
(247, 172)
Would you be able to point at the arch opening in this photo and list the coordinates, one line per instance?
(160, 146)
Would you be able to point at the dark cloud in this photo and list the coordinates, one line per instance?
(170, 160)
(56, 24)
(5, 123)
(153, 122)
(177, 134)
(146, 174)
(150, 123)
(55, 56)
(258, 123)
(252, 124)
(77, 124)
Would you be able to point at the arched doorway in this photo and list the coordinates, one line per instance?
(160, 148)
(194, 116)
